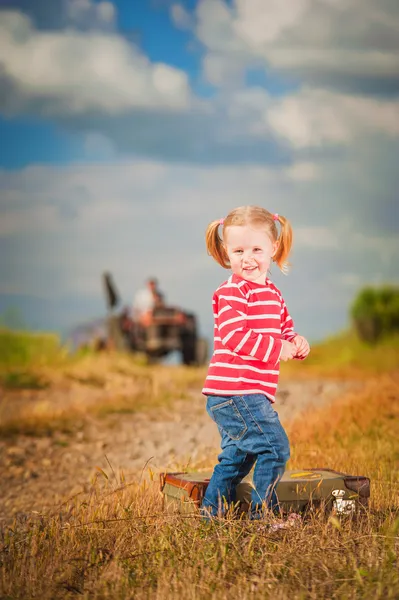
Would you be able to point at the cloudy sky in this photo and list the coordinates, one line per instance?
(127, 126)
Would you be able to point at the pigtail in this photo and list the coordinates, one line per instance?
(284, 244)
(214, 245)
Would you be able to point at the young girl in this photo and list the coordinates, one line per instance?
(253, 332)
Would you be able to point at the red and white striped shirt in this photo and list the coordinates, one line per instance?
(251, 320)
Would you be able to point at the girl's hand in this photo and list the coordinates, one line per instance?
(288, 351)
(302, 347)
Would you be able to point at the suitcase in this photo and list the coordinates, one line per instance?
(297, 491)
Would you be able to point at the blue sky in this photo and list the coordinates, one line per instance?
(148, 24)
(127, 126)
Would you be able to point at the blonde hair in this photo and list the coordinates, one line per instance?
(259, 217)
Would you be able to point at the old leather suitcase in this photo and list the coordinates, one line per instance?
(297, 491)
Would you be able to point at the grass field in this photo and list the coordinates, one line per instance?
(115, 542)
(344, 355)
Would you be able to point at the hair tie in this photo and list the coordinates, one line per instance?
(275, 217)
(221, 221)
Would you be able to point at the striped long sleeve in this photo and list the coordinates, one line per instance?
(287, 324)
(237, 335)
(250, 323)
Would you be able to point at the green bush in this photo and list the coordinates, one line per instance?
(375, 313)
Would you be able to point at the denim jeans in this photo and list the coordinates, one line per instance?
(251, 434)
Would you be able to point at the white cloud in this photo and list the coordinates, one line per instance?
(303, 171)
(66, 225)
(316, 117)
(29, 220)
(106, 11)
(312, 117)
(87, 12)
(351, 280)
(74, 72)
(98, 146)
(96, 83)
(317, 237)
(338, 43)
(148, 203)
(385, 247)
(260, 22)
(220, 69)
(180, 16)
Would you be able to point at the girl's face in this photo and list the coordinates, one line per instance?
(250, 250)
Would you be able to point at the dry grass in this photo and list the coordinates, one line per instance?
(101, 384)
(114, 542)
(344, 356)
(90, 385)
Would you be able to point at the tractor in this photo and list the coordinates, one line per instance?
(168, 330)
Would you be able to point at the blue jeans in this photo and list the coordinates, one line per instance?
(251, 434)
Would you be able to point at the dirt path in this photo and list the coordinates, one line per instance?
(37, 474)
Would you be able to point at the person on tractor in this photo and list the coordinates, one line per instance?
(146, 301)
